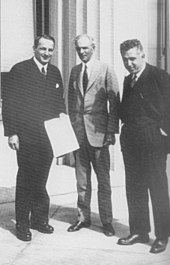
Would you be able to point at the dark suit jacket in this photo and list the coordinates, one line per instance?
(29, 100)
(96, 112)
(153, 90)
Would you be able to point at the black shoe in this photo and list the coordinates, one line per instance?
(23, 233)
(133, 239)
(78, 225)
(108, 229)
(43, 227)
(159, 245)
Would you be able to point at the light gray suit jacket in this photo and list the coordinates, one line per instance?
(96, 112)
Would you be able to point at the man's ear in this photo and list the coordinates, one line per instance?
(94, 46)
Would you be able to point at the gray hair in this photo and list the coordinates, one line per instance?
(78, 37)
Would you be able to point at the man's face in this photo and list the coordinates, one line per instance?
(43, 52)
(133, 60)
(85, 49)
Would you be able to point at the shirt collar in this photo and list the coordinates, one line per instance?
(40, 65)
(89, 65)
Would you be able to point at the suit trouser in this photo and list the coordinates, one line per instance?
(32, 200)
(100, 159)
(146, 171)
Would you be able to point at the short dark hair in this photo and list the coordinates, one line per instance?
(129, 44)
(37, 39)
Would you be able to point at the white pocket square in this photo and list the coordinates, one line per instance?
(57, 85)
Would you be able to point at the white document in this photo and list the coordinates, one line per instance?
(61, 135)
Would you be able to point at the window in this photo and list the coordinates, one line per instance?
(41, 17)
(163, 41)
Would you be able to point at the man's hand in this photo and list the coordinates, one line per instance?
(13, 142)
(110, 139)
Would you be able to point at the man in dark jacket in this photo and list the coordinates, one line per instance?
(34, 94)
(145, 115)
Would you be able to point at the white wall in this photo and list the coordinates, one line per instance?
(16, 32)
(134, 19)
(131, 19)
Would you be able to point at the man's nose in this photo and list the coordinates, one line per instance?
(129, 63)
(46, 52)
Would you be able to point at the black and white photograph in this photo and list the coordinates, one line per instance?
(85, 132)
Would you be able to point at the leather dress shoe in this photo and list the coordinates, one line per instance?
(159, 245)
(43, 227)
(23, 233)
(78, 225)
(133, 239)
(108, 229)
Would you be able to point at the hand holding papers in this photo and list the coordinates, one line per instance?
(61, 135)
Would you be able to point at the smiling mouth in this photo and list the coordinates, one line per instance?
(84, 57)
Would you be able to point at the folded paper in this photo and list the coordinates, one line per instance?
(61, 135)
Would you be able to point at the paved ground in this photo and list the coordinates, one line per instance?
(87, 246)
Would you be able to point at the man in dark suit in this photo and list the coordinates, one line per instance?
(92, 87)
(145, 115)
(34, 94)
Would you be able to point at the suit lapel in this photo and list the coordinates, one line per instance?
(78, 78)
(144, 80)
(140, 85)
(94, 73)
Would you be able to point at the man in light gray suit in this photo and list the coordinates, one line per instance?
(93, 101)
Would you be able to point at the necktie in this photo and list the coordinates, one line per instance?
(85, 79)
(133, 81)
(43, 72)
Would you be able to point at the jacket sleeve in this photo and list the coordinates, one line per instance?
(165, 88)
(113, 101)
(10, 103)
(70, 95)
